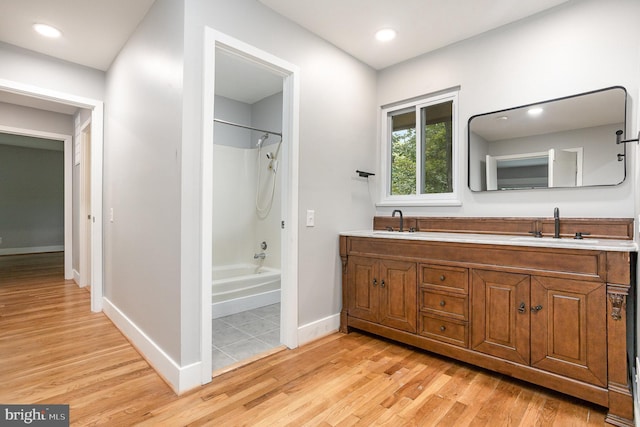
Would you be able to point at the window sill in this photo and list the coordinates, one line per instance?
(391, 203)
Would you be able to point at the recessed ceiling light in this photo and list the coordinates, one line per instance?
(502, 118)
(535, 111)
(47, 30)
(386, 34)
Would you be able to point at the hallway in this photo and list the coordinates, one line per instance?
(53, 349)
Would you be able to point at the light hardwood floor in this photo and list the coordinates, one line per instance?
(54, 350)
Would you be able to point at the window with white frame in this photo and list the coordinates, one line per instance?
(420, 149)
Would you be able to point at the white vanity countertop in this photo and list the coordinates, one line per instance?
(500, 239)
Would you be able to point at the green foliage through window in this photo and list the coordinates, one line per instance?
(403, 162)
(435, 150)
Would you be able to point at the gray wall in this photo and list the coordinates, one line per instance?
(235, 112)
(337, 135)
(31, 198)
(17, 116)
(573, 48)
(142, 177)
(20, 65)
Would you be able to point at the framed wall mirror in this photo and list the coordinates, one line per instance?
(566, 142)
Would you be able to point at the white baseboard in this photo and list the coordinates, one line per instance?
(31, 250)
(180, 378)
(76, 277)
(318, 329)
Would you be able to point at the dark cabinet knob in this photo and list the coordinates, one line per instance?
(443, 328)
(382, 283)
(442, 303)
(536, 309)
(375, 282)
(442, 278)
(521, 308)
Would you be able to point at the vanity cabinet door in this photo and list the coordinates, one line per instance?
(500, 314)
(363, 282)
(398, 299)
(383, 291)
(568, 328)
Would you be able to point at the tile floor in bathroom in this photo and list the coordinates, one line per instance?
(243, 335)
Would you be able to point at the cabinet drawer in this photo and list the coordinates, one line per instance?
(455, 306)
(447, 330)
(452, 279)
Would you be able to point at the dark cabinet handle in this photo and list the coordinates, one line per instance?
(442, 278)
(536, 309)
(442, 303)
(375, 282)
(521, 309)
(443, 328)
(382, 283)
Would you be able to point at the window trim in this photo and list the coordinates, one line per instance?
(438, 199)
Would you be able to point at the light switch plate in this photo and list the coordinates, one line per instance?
(311, 218)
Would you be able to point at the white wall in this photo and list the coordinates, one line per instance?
(233, 205)
(143, 128)
(574, 48)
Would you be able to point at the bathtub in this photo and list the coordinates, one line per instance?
(240, 287)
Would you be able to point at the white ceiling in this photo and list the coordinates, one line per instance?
(93, 31)
(244, 80)
(422, 25)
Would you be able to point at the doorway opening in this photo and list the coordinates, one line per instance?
(249, 203)
(96, 108)
(35, 198)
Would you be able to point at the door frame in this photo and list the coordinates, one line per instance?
(84, 228)
(289, 180)
(68, 183)
(97, 120)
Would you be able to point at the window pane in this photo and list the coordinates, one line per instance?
(437, 150)
(403, 153)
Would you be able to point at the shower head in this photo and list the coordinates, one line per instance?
(262, 139)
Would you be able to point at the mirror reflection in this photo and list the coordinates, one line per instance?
(566, 142)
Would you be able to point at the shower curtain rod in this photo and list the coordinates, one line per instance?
(247, 127)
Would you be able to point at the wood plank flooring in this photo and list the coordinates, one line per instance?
(54, 350)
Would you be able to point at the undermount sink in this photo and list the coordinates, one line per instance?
(551, 240)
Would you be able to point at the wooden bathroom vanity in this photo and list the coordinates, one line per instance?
(554, 312)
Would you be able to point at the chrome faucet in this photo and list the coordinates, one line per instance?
(261, 255)
(556, 219)
(393, 214)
